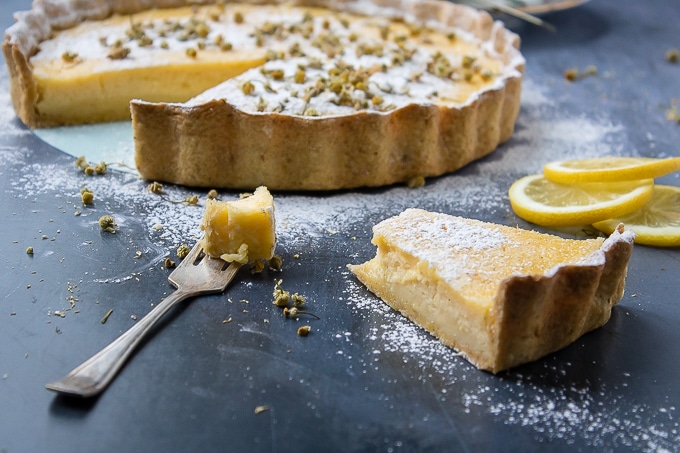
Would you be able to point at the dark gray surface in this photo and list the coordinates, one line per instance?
(195, 384)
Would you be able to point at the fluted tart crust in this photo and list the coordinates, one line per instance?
(317, 95)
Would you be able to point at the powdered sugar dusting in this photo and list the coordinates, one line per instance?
(593, 412)
(451, 245)
(421, 233)
(590, 412)
(7, 116)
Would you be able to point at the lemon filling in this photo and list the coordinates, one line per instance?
(242, 230)
(275, 58)
(501, 296)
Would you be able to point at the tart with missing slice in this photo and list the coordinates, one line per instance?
(501, 296)
(315, 95)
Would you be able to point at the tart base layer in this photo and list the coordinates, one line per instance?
(217, 145)
(500, 296)
(454, 107)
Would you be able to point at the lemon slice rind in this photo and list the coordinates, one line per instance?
(657, 223)
(602, 200)
(609, 169)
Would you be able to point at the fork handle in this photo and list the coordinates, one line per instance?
(95, 374)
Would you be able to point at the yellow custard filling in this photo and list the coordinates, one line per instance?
(242, 230)
(89, 73)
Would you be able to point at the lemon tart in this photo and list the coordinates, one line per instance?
(302, 95)
(242, 230)
(501, 296)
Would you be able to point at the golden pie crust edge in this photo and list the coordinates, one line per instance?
(532, 315)
(538, 315)
(217, 145)
(30, 28)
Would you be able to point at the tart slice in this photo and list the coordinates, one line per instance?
(242, 230)
(501, 296)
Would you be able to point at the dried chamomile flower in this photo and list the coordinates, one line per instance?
(589, 70)
(275, 263)
(257, 267)
(415, 182)
(571, 74)
(300, 76)
(144, 41)
(673, 55)
(155, 187)
(303, 331)
(261, 105)
(672, 114)
(282, 299)
(100, 168)
(182, 251)
(118, 53)
(169, 263)
(81, 163)
(468, 61)
(440, 65)
(212, 194)
(69, 56)
(294, 312)
(290, 312)
(281, 296)
(191, 200)
(298, 300)
(248, 87)
(106, 223)
(29, 250)
(86, 196)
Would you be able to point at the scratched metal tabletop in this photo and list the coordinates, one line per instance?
(228, 372)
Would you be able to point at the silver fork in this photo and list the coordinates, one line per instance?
(197, 274)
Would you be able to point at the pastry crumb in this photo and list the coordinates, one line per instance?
(260, 409)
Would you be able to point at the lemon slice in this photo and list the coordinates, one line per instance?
(608, 169)
(656, 223)
(541, 201)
